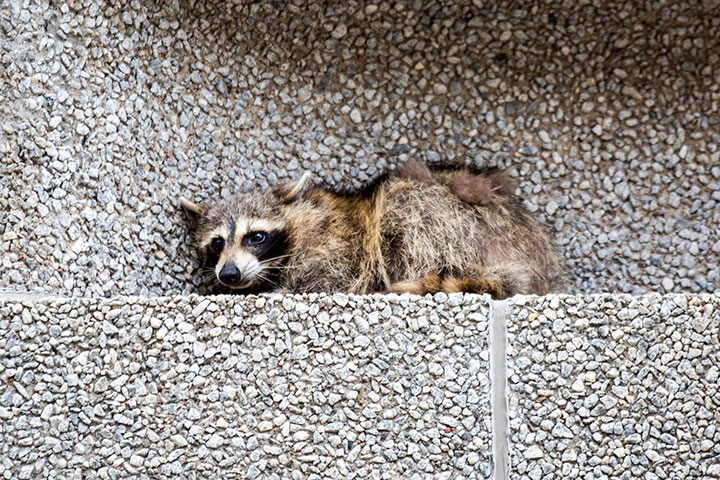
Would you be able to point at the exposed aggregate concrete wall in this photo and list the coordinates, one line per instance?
(615, 387)
(225, 387)
(606, 112)
(325, 387)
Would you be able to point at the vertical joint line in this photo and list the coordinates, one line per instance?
(499, 316)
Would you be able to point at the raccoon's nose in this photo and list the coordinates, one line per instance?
(230, 275)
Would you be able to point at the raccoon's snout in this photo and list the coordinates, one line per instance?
(230, 275)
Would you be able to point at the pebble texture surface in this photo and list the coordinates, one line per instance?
(614, 387)
(297, 387)
(607, 114)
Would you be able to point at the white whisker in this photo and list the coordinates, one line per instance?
(262, 277)
(279, 257)
(283, 267)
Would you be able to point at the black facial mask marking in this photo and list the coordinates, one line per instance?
(275, 245)
(231, 237)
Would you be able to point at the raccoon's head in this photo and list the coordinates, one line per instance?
(244, 242)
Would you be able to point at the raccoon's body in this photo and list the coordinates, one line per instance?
(416, 231)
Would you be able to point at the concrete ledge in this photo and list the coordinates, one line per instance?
(294, 387)
(321, 386)
(615, 387)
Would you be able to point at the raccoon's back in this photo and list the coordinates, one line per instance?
(428, 230)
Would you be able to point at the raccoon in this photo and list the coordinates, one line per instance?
(417, 230)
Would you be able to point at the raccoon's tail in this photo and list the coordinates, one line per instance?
(498, 283)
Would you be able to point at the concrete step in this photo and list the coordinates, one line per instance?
(336, 386)
(615, 387)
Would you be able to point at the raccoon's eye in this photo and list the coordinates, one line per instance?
(216, 245)
(256, 238)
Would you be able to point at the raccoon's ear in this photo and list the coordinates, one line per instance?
(193, 210)
(289, 192)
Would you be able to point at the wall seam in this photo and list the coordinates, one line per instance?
(499, 316)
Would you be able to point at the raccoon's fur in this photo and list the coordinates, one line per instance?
(418, 230)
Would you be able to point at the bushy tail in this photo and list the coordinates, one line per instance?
(498, 284)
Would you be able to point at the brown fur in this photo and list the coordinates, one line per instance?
(414, 170)
(418, 231)
(477, 188)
